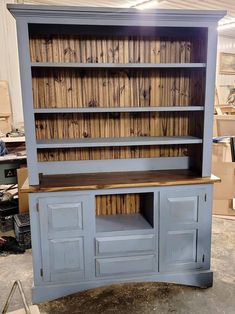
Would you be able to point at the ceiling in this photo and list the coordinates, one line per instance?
(228, 5)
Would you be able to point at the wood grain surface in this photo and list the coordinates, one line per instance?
(127, 152)
(118, 204)
(53, 183)
(114, 49)
(108, 125)
(79, 88)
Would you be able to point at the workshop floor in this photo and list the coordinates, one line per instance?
(139, 298)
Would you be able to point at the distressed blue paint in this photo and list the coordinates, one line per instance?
(72, 251)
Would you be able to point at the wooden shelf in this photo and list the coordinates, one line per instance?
(121, 141)
(117, 65)
(109, 223)
(130, 179)
(119, 109)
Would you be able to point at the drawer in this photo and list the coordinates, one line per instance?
(124, 265)
(125, 244)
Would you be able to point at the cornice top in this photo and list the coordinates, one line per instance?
(73, 12)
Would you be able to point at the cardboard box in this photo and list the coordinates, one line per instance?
(221, 152)
(224, 168)
(223, 207)
(225, 125)
(5, 108)
(22, 175)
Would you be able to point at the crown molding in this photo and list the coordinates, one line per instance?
(110, 15)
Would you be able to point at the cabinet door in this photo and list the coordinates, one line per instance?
(185, 227)
(63, 221)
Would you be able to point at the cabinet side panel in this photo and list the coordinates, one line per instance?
(35, 238)
(26, 87)
(209, 100)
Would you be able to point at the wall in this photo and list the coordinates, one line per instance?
(225, 44)
(9, 64)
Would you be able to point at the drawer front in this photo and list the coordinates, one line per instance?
(124, 265)
(125, 244)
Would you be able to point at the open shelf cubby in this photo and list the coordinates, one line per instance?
(116, 45)
(123, 212)
(55, 88)
(98, 136)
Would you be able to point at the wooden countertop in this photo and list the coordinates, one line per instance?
(112, 180)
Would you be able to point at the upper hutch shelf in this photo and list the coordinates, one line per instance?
(118, 65)
(121, 141)
(116, 89)
(119, 109)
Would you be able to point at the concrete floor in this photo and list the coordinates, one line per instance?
(139, 298)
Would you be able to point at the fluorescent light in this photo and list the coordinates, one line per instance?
(226, 26)
(146, 4)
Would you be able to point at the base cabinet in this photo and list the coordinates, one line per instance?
(75, 253)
